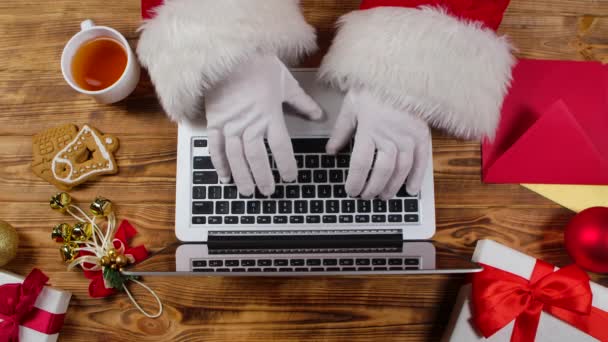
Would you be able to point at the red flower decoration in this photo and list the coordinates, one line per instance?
(125, 232)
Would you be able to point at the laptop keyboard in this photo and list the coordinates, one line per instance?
(375, 264)
(317, 197)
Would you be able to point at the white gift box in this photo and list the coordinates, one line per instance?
(550, 328)
(51, 300)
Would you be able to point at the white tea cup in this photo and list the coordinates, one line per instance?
(124, 86)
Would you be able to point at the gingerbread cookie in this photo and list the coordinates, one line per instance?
(67, 157)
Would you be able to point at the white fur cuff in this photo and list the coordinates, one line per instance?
(453, 74)
(190, 45)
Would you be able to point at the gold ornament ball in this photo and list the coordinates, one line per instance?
(122, 260)
(9, 241)
(104, 261)
(61, 202)
(112, 253)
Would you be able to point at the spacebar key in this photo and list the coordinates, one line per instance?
(309, 145)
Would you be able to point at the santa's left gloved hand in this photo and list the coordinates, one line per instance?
(399, 139)
(246, 108)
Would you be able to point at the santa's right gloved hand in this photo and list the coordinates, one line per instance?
(246, 108)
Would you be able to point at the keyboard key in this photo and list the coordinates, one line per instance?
(395, 262)
(411, 268)
(204, 270)
(265, 262)
(411, 205)
(330, 262)
(364, 269)
(203, 163)
(380, 269)
(200, 143)
(199, 220)
(395, 206)
(348, 206)
(215, 192)
(296, 262)
(308, 145)
(346, 219)
(232, 263)
(377, 262)
(317, 269)
(285, 207)
(339, 191)
(296, 219)
(237, 208)
(269, 269)
(333, 269)
(410, 218)
(241, 196)
(199, 263)
(336, 176)
(379, 218)
(313, 219)
(347, 262)
(364, 206)
(320, 176)
(300, 161)
(263, 219)
(309, 191)
(304, 176)
(222, 207)
(332, 207)
(279, 192)
(248, 263)
(199, 192)
(343, 160)
(239, 270)
(395, 218)
(216, 263)
(205, 177)
(202, 208)
(379, 206)
(215, 220)
(330, 219)
(231, 192)
(395, 268)
(403, 192)
(254, 270)
(328, 162)
(312, 162)
(362, 262)
(410, 261)
(222, 270)
(247, 220)
(269, 207)
(324, 191)
(281, 262)
(313, 262)
(231, 220)
(349, 269)
(316, 207)
(292, 191)
(301, 207)
(280, 220)
(254, 207)
(362, 218)
(301, 269)
(286, 269)
(259, 195)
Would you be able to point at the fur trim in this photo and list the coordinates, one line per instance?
(190, 45)
(454, 74)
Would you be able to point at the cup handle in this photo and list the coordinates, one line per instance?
(87, 24)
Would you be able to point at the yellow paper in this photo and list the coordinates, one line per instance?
(573, 197)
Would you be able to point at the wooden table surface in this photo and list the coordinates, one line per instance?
(34, 96)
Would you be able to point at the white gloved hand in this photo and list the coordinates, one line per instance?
(246, 108)
(400, 140)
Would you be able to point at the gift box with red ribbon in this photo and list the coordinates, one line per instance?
(521, 299)
(29, 310)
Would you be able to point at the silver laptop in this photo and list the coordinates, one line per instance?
(307, 227)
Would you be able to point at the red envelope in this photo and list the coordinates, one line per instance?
(147, 6)
(554, 126)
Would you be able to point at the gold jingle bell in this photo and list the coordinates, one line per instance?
(82, 231)
(122, 260)
(62, 232)
(61, 202)
(112, 253)
(68, 251)
(101, 207)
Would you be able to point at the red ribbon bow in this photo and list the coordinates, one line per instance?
(499, 297)
(124, 233)
(17, 308)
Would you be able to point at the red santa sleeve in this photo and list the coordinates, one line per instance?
(440, 59)
(189, 45)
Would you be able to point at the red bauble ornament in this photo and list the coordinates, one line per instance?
(586, 239)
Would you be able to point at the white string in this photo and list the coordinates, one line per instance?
(160, 304)
(100, 249)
